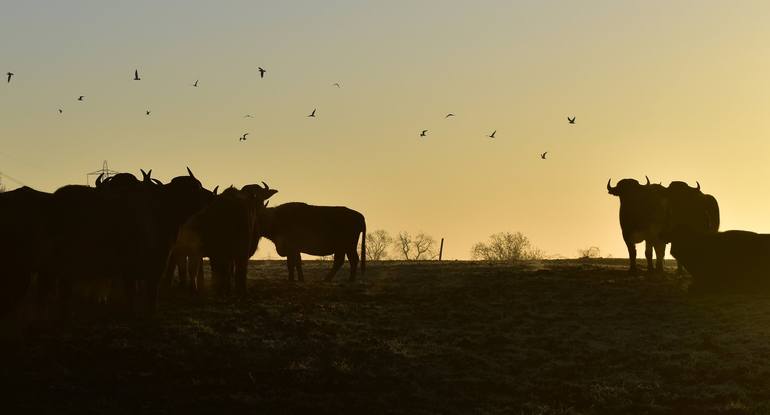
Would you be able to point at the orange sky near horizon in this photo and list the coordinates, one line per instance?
(676, 90)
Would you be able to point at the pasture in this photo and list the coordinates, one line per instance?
(545, 337)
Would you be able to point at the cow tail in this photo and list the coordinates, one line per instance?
(363, 250)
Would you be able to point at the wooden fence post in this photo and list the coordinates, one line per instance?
(441, 249)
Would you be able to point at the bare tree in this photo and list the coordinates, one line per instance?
(424, 246)
(414, 248)
(403, 245)
(590, 252)
(506, 246)
(377, 244)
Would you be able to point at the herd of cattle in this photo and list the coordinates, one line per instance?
(689, 219)
(135, 232)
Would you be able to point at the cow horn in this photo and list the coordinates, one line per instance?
(190, 173)
(696, 182)
(266, 202)
(609, 187)
(99, 179)
(266, 186)
(216, 189)
(648, 180)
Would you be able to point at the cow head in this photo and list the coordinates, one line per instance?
(259, 192)
(624, 187)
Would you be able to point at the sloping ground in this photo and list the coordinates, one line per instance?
(553, 337)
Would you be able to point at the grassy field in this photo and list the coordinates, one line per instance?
(552, 337)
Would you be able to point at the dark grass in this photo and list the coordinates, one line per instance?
(553, 337)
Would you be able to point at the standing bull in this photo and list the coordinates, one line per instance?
(297, 228)
(723, 261)
(642, 218)
(226, 231)
(689, 207)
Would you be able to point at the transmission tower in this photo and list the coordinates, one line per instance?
(105, 172)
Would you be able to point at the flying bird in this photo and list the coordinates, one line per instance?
(80, 98)
(248, 116)
(424, 133)
(136, 75)
(449, 115)
(243, 137)
(312, 114)
(493, 134)
(337, 84)
(60, 111)
(542, 156)
(571, 120)
(147, 112)
(10, 74)
(261, 72)
(196, 83)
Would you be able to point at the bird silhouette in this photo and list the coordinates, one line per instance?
(312, 114)
(337, 84)
(424, 133)
(248, 116)
(449, 115)
(261, 72)
(82, 97)
(60, 111)
(196, 83)
(493, 134)
(542, 156)
(147, 112)
(571, 120)
(136, 75)
(243, 137)
(10, 74)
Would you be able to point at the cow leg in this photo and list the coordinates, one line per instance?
(241, 268)
(219, 273)
(290, 264)
(648, 255)
(339, 259)
(353, 259)
(631, 257)
(660, 256)
(194, 269)
(298, 264)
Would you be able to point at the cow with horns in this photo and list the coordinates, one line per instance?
(643, 216)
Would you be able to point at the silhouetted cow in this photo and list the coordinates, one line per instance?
(723, 261)
(297, 228)
(122, 229)
(689, 207)
(22, 238)
(226, 231)
(642, 218)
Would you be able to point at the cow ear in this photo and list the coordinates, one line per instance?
(270, 193)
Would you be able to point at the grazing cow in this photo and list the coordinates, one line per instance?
(227, 232)
(688, 206)
(723, 261)
(297, 228)
(642, 218)
(22, 237)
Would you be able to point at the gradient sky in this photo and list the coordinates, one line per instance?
(670, 89)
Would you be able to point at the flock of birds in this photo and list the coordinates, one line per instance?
(262, 71)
